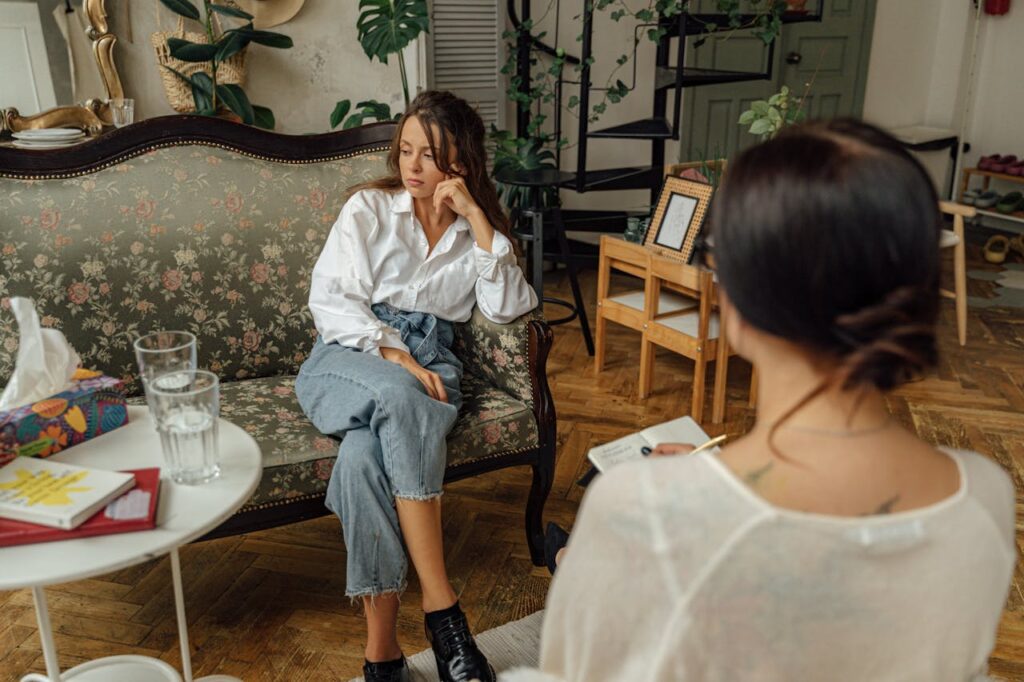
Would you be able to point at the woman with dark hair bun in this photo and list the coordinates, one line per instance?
(410, 254)
(830, 542)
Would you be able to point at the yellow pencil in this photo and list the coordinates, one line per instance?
(710, 444)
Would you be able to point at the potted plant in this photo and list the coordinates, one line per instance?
(210, 95)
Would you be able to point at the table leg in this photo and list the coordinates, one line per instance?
(46, 637)
(179, 607)
(537, 220)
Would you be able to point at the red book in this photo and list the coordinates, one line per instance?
(135, 510)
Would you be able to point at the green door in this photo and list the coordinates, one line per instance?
(832, 53)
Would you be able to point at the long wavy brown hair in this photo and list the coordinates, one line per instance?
(463, 129)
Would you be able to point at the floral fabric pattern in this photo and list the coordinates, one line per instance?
(298, 459)
(195, 238)
(210, 241)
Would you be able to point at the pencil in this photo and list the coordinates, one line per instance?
(710, 444)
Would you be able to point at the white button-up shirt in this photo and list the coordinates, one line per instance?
(377, 252)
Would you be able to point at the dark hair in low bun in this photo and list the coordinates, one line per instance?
(888, 343)
(828, 236)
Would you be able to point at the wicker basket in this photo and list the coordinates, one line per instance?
(179, 93)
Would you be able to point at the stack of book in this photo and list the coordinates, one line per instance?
(42, 500)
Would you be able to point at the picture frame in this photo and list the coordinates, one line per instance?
(679, 218)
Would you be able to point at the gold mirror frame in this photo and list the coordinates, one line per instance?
(95, 113)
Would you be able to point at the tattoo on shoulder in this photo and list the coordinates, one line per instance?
(754, 477)
(886, 507)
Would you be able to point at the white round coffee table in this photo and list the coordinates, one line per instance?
(184, 514)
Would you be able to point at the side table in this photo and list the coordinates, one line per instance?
(184, 514)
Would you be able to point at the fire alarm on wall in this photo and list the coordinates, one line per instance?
(997, 6)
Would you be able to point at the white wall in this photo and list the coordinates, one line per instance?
(918, 72)
(998, 101)
(301, 84)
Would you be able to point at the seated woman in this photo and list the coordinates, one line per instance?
(829, 543)
(410, 254)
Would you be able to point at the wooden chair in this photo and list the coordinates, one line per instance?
(695, 334)
(629, 309)
(955, 238)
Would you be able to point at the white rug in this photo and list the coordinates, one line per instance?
(511, 645)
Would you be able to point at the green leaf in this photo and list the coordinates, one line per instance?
(761, 126)
(747, 117)
(183, 8)
(386, 27)
(341, 110)
(268, 38)
(235, 99)
(231, 12)
(188, 51)
(369, 110)
(759, 107)
(230, 44)
(202, 80)
(264, 117)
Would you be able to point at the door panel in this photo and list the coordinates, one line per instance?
(27, 84)
(830, 56)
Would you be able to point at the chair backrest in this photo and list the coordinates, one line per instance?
(179, 222)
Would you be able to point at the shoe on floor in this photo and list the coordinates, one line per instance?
(996, 248)
(387, 671)
(455, 651)
(1013, 201)
(555, 538)
(987, 199)
(1017, 245)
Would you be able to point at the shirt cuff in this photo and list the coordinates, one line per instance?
(489, 263)
(390, 338)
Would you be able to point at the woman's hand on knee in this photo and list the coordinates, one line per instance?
(431, 380)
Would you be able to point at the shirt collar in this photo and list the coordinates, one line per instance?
(402, 203)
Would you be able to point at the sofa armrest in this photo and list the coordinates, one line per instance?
(513, 358)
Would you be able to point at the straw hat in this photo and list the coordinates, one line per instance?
(269, 13)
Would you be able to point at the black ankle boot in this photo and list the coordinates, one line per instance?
(387, 671)
(457, 656)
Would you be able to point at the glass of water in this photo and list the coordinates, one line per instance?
(162, 353)
(122, 111)
(187, 406)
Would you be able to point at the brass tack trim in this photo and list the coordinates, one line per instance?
(187, 143)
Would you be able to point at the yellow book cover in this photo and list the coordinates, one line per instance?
(56, 494)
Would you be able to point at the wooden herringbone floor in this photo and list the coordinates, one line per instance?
(270, 606)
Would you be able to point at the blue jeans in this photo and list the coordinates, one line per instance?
(393, 440)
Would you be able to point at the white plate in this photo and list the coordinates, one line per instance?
(55, 144)
(50, 134)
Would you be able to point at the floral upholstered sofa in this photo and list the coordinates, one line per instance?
(210, 226)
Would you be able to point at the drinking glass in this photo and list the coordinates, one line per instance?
(187, 408)
(162, 353)
(122, 111)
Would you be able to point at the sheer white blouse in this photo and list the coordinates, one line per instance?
(377, 253)
(676, 570)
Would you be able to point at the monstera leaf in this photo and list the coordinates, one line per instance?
(388, 26)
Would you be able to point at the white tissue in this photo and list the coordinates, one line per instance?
(45, 362)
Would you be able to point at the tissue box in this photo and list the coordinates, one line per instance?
(92, 405)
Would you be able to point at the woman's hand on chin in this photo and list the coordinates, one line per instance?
(430, 380)
(454, 194)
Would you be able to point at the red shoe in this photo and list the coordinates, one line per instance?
(1016, 168)
(1004, 162)
(987, 161)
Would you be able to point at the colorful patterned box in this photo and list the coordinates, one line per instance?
(94, 404)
